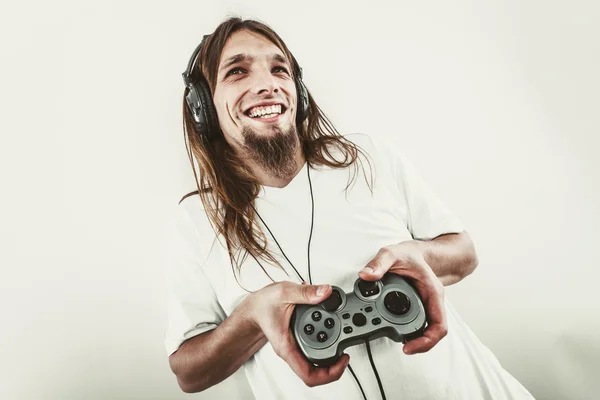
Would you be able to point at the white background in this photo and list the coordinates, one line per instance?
(497, 103)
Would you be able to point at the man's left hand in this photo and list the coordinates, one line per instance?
(407, 260)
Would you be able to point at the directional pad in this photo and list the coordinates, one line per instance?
(397, 303)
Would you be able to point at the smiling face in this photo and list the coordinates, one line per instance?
(255, 101)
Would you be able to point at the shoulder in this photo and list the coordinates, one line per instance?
(376, 146)
(191, 204)
(382, 151)
(360, 139)
(194, 193)
(189, 220)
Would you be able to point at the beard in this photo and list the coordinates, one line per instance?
(275, 153)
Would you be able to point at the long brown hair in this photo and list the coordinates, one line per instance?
(227, 188)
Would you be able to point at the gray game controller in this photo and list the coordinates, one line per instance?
(389, 307)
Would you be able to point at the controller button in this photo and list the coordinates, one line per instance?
(316, 316)
(368, 309)
(346, 316)
(368, 288)
(333, 302)
(329, 323)
(348, 329)
(309, 329)
(397, 303)
(321, 336)
(376, 321)
(359, 319)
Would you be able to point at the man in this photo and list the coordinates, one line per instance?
(271, 159)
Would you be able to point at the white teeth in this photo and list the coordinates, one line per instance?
(274, 109)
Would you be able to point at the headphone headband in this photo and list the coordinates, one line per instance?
(188, 71)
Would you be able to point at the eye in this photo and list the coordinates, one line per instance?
(231, 72)
(282, 69)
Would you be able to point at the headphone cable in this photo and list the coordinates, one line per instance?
(309, 275)
(309, 238)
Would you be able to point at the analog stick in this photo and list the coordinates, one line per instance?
(333, 302)
(368, 288)
(397, 303)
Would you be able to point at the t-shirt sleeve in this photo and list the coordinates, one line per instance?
(192, 305)
(428, 217)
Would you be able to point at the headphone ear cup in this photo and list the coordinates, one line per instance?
(303, 105)
(201, 107)
(194, 104)
(208, 108)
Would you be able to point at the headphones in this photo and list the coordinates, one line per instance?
(199, 98)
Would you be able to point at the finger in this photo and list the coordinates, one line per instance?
(432, 336)
(312, 375)
(305, 294)
(378, 266)
(437, 323)
(336, 370)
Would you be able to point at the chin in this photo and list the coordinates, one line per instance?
(271, 130)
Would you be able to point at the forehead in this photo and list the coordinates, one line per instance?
(251, 43)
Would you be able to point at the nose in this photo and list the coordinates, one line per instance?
(264, 82)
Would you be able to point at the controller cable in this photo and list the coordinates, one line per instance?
(356, 379)
(310, 279)
(375, 370)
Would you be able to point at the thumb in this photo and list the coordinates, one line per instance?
(378, 266)
(310, 294)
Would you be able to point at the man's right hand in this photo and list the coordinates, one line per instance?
(271, 310)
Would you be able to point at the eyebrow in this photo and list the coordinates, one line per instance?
(246, 57)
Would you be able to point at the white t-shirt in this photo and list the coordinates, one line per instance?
(349, 229)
